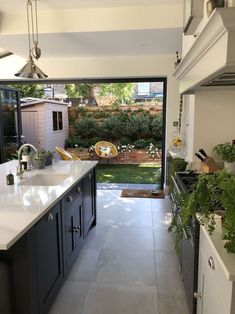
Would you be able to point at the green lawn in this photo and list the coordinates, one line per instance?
(123, 173)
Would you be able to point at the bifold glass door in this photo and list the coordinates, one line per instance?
(10, 123)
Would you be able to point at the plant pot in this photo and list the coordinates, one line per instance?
(39, 163)
(212, 4)
(48, 161)
(230, 167)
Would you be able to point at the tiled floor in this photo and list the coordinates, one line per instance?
(128, 263)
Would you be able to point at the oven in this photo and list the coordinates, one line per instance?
(187, 248)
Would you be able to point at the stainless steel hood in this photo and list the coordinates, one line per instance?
(210, 62)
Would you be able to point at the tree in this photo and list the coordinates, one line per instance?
(86, 91)
(121, 92)
(29, 90)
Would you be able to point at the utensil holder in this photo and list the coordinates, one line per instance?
(209, 165)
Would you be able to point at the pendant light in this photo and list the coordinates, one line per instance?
(30, 69)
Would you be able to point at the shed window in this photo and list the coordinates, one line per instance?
(57, 120)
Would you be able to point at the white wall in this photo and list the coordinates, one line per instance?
(48, 138)
(55, 138)
(214, 120)
(40, 122)
(211, 121)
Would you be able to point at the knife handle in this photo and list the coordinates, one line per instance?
(199, 156)
(203, 152)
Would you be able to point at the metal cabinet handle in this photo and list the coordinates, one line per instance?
(76, 229)
(197, 295)
(78, 189)
(211, 262)
(89, 175)
(50, 217)
(69, 199)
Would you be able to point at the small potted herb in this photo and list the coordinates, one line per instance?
(38, 159)
(226, 152)
(48, 157)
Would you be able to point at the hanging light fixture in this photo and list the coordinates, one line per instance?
(30, 69)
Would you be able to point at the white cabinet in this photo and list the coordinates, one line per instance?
(193, 13)
(216, 293)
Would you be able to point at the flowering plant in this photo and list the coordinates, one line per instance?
(153, 151)
(91, 149)
(122, 149)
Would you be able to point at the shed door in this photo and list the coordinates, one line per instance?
(30, 127)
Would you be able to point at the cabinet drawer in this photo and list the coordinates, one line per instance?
(214, 267)
(71, 196)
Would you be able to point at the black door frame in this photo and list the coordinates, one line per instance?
(139, 80)
(18, 126)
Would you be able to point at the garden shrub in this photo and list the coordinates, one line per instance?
(140, 144)
(121, 127)
(87, 128)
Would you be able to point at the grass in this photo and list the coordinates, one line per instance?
(123, 173)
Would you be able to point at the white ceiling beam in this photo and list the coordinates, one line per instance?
(91, 20)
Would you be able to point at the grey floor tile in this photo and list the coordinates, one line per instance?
(96, 237)
(126, 267)
(119, 299)
(129, 238)
(167, 270)
(142, 186)
(136, 204)
(161, 220)
(108, 216)
(159, 204)
(84, 266)
(164, 240)
(171, 301)
(134, 218)
(71, 298)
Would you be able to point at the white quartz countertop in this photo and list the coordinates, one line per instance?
(227, 260)
(22, 206)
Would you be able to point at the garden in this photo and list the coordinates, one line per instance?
(137, 135)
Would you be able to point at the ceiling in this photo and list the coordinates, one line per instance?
(76, 4)
(117, 41)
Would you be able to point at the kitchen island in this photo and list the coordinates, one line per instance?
(44, 220)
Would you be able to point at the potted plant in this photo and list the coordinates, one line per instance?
(226, 152)
(38, 159)
(48, 157)
(210, 193)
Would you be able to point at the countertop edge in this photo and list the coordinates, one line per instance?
(8, 245)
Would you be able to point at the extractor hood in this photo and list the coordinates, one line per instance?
(210, 62)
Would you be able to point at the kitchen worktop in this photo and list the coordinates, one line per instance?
(22, 206)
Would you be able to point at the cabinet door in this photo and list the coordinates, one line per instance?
(210, 300)
(89, 203)
(72, 231)
(48, 256)
(69, 237)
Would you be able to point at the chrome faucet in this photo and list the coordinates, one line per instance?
(20, 150)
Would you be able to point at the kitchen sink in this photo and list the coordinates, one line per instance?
(44, 180)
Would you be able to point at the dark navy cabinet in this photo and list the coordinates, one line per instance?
(48, 243)
(89, 202)
(35, 267)
(72, 225)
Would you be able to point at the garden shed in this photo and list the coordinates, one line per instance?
(45, 123)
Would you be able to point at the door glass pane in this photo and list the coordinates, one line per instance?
(9, 122)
